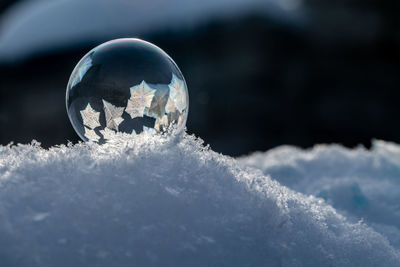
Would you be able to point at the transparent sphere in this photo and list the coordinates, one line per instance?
(126, 85)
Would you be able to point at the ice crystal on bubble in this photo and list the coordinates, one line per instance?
(113, 115)
(141, 97)
(107, 133)
(90, 117)
(91, 134)
(177, 94)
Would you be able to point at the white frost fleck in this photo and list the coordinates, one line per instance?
(40, 216)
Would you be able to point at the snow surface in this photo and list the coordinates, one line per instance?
(361, 184)
(157, 201)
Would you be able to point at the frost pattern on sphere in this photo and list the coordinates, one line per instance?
(126, 85)
(177, 95)
(113, 115)
(141, 97)
(90, 117)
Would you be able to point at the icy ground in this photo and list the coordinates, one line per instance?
(161, 202)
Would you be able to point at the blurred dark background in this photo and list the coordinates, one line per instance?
(260, 73)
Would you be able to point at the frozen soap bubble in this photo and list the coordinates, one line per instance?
(126, 85)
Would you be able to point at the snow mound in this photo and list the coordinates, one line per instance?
(361, 184)
(154, 201)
